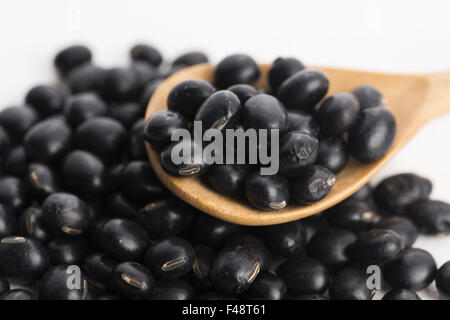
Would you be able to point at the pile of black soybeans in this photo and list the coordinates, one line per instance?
(80, 204)
(311, 146)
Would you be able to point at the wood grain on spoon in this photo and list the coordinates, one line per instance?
(413, 99)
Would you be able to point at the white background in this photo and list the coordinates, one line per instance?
(379, 35)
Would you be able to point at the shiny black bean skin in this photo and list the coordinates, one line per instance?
(363, 194)
(32, 225)
(120, 85)
(48, 140)
(329, 246)
(248, 240)
(267, 193)
(87, 78)
(264, 112)
(118, 206)
(395, 193)
(4, 285)
(194, 166)
(22, 259)
(18, 120)
(368, 97)
(213, 232)
(443, 281)
(166, 218)
(313, 185)
(372, 134)
(187, 97)
(350, 284)
(144, 73)
(338, 113)
(139, 181)
(402, 226)
(41, 181)
(71, 58)
(47, 100)
(148, 91)
(333, 153)
(17, 294)
(287, 239)
(8, 223)
(146, 53)
(235, 269)
(400, 294)
(132, 280)
(122, 239)
(136, 142)
(201, 268)
(376, 247)
(266, 286)
(243, 92)
(303, 90)
(228, 179)
(298, 152)
(304, 275)
(220, 110)
(13, 194)
(170, 258)
(104, 137)
(5, 140)
(161, 125)
(177, 289)
(414, 269)
(98, 268)
(84, 174)
(302, 121)
(67, 250)
(282, 69)
(355, 216)
(53, 285)
(189, 59)
(430, 216)
(15, 162)
(126, 113)
(82, 107)
(66, 213)
(236, 69)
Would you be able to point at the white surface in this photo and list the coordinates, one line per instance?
(379, 35)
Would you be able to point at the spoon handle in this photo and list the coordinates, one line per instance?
(438, 98)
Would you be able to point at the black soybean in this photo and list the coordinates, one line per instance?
(267, 192)
(67, 250)
(228, 179)
(302, 121)
(350, 284)
(132, 280)
(298, 152)
(71, 58)
(189, 59)
(400, 294)
(352, 215)
(430, 216)
(281, 70)
(63, 283)
(333, 153)
(266, 286)
(82, 107)
(338, 113)
(236, 69)
(368, 97)
(17, 120)
(214, 232)
(443, 280)
(248, 240)
(177, 289)
(120, 84)
(15, 162)
(41, 181)
(313, 185)
(287, 239)
(87, 78)
(32, 225)
(161, 125)
(201, 268)
(8, 223)
(264, 112)
(146, 53)
(98, 268)
(402, 226)
(13, 194)
(243, 92)
(47, 100)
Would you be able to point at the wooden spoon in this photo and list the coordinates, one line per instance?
(413, 99)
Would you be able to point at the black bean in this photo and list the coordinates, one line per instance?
(247, 240)
(264, 112)
(287, 239)
(41, 181)
(118, 206)
(333, 153)
(354, 216)
(4, 140)
(54, 285)
(298, 152)
(18, 294)
(127, 113)
(201, 268)
(67, 250)
(266, 286)
(243, 92)
(302, 121)
(84, 174)
(187, 97)
(376, 247)
(71, 58)
(443, 280)
(170, 258)
(213, 232)
(23, 260)
(400, 294)
(236, 69)
(351, 284)
(132, 280)
(161, 125)
(48, 140)
(267, 192)
(372, 135)
(228, 179)
(32, 225)
(402, 226)
(123, 239)
(281, 70)
(313, 185)
(303, 90)
(148, 92)
(146, 53)
(304, 275)
(87, 78)
(430, 216)
(414, 269)
(98, 268)
(368, 97)
(18, 120)
(363, 194)
(177, 289)
(82, 107)
(121, 84)
(8, 223)
(136, 141)
(145, 73)
(13, 194)
(234, 269)
(189, 59)
(15, 162)
(330, 245)
(47, 100)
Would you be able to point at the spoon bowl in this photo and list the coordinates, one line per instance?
(413, 99)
